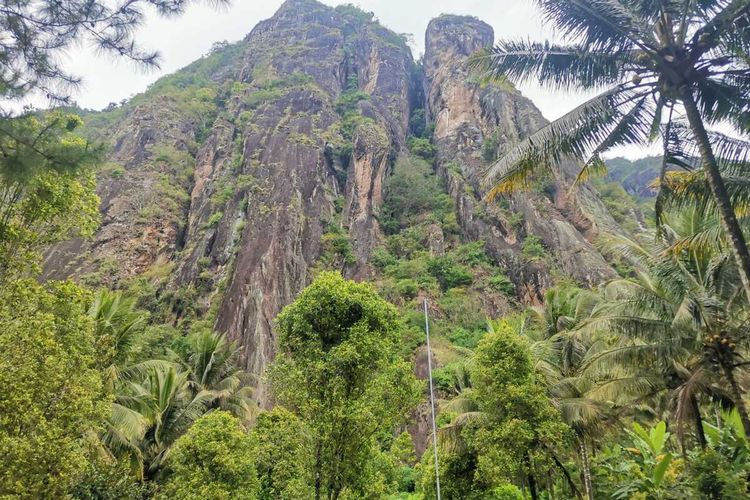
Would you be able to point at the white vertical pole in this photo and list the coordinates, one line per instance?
(432, 400)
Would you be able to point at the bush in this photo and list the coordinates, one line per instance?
(489, 147)
(462, 309)
(412, 191)
(110, 481)
(716, 478)
(501, 283)
(465, 338)
(448, 273)
(406, 479)
(336, 248)
(381, 258)
(506, 492)
(285, 456)
(532, 248)
(422, 148)
(407, 288)
(418, 123)
(215, 218)
(214, 459)
(472, 254)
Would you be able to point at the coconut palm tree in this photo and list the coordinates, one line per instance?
(117, 322)
(156, 400)
(667, 68)
(680, 318)
(561, 352)
(211, 362)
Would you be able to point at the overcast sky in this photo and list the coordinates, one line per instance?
(182, 40)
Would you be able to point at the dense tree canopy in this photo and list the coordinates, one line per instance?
(338, 370)
(46, 187)
(50, 390)
(214, 459)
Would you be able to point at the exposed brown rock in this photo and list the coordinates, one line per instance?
(466, 114)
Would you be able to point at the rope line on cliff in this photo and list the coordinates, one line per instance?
(432, 400)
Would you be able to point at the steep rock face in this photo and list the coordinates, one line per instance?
(143, 189)
(236, 173)
(475, 123)
(302, 122)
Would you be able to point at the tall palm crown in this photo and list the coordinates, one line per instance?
(680, 324)
(665, 68)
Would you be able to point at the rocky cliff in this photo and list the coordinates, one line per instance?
(476, 123)
(231, 182)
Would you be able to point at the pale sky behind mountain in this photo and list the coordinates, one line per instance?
(184, 39)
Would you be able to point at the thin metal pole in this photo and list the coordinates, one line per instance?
(432, 400)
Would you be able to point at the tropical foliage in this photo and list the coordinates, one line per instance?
(631, 389)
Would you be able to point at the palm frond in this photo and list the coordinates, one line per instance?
(603, 25)
(575, 135)
(559, 66)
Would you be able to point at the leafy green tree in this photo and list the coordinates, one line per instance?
(458, 478)
(284, 452)
(402, 449)
(519, 428)
(449, 273)
(106, 479)
(214, 459)
(411, 190)
(338, 370)
(654, 59)
(46, 188)
(404, 458)
(50, 390)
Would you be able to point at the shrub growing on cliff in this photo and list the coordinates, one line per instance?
(413, 190)
(422, 148)
(338, 370)
(448, 273)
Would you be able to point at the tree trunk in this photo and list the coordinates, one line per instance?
(532, 487)
(317, 472)
(586, 468)
(698, 423)
(718, 189)
(530, 478)
(739, 403)
(571, 483)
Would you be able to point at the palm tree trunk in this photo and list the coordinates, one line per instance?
(739, 402)
(698, 422)
(586, 468)
(718, 189)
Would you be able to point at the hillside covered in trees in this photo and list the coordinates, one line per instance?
(217, 288)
